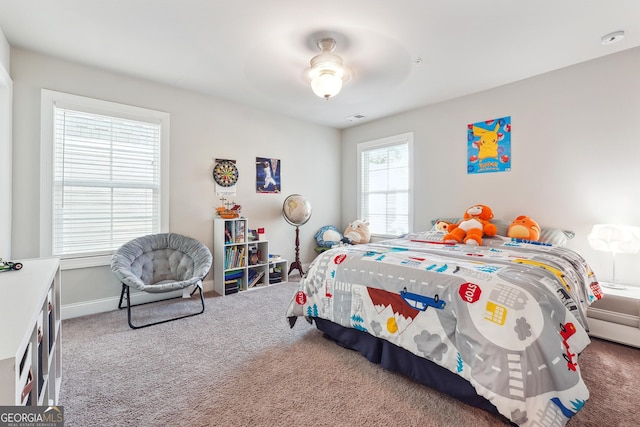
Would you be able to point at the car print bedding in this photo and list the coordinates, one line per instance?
(508, 317)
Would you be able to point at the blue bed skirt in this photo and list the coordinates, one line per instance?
(397, 359)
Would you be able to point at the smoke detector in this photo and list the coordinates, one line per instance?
(611, 38)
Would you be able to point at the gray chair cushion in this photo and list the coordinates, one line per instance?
(161, 262)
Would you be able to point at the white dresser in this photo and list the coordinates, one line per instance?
(30, 327)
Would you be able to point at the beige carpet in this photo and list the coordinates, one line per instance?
(239, 364)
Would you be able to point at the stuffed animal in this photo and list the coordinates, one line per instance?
(357, 232)
(441, 225)
(328, 236)
(473, 226)
(524, 227)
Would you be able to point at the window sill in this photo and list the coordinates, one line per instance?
(85, 262)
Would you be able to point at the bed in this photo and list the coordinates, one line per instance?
(499, 326)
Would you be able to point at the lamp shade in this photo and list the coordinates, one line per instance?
(326, 85)
(621, 239)
(327, 72)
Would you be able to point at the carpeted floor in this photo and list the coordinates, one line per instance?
(239, 364)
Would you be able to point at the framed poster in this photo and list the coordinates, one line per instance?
(489, 146)
(267, 175)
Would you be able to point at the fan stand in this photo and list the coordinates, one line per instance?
(297, 265)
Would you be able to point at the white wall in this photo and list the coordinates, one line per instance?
(6, 95)
(202, 128)
(575, 154)
(5, 51)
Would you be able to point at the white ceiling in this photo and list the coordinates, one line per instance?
(256, 52)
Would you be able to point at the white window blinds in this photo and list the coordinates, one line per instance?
(385, 185)
(106, 182)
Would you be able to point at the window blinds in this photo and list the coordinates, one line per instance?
(106, 188)
(385, 188)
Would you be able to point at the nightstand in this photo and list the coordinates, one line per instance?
(616, 317)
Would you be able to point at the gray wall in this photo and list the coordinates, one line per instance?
(6, 93)
(202, 128)
(574, 156)
(575, 153)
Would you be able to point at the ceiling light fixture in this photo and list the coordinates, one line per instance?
(327, 72)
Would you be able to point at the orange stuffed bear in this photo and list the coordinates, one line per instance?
(474, 225)
(524, 227)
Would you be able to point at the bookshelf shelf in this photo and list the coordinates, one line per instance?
(239, 264)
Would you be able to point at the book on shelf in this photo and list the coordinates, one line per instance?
(231, 289)
(240, 258)
(228, 232)
(275, 277)
(274, 257)
(234, 274)
(254, 277)
(231, 285)
(235, 257)
(240, 230)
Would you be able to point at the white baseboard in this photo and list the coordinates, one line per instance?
(102, 305)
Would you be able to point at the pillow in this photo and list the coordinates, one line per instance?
(555, 236)
(550, 235)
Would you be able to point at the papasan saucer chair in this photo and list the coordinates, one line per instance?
(159, 263)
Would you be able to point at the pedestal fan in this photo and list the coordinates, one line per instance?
(296, 210)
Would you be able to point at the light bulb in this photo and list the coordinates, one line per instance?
(326, 85)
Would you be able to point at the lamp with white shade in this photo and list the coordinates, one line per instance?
(616, 239)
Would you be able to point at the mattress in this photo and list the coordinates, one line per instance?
(508, 318)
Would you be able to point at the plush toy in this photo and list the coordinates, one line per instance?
(524, 227)
(441, 225)
(328, 236)
(357, 232)
(473, 226)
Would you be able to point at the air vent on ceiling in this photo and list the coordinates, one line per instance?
(355, 117)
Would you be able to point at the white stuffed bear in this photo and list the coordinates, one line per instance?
(357, 232)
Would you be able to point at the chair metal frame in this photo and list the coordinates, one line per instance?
(140, 252)
(126, 294)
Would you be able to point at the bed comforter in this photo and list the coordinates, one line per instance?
(509, 317)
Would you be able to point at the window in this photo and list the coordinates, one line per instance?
(104, 177)
(385, 181)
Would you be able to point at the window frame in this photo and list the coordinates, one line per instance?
(49, 100)
(404, 138)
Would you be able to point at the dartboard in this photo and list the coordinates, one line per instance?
(225, 173)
